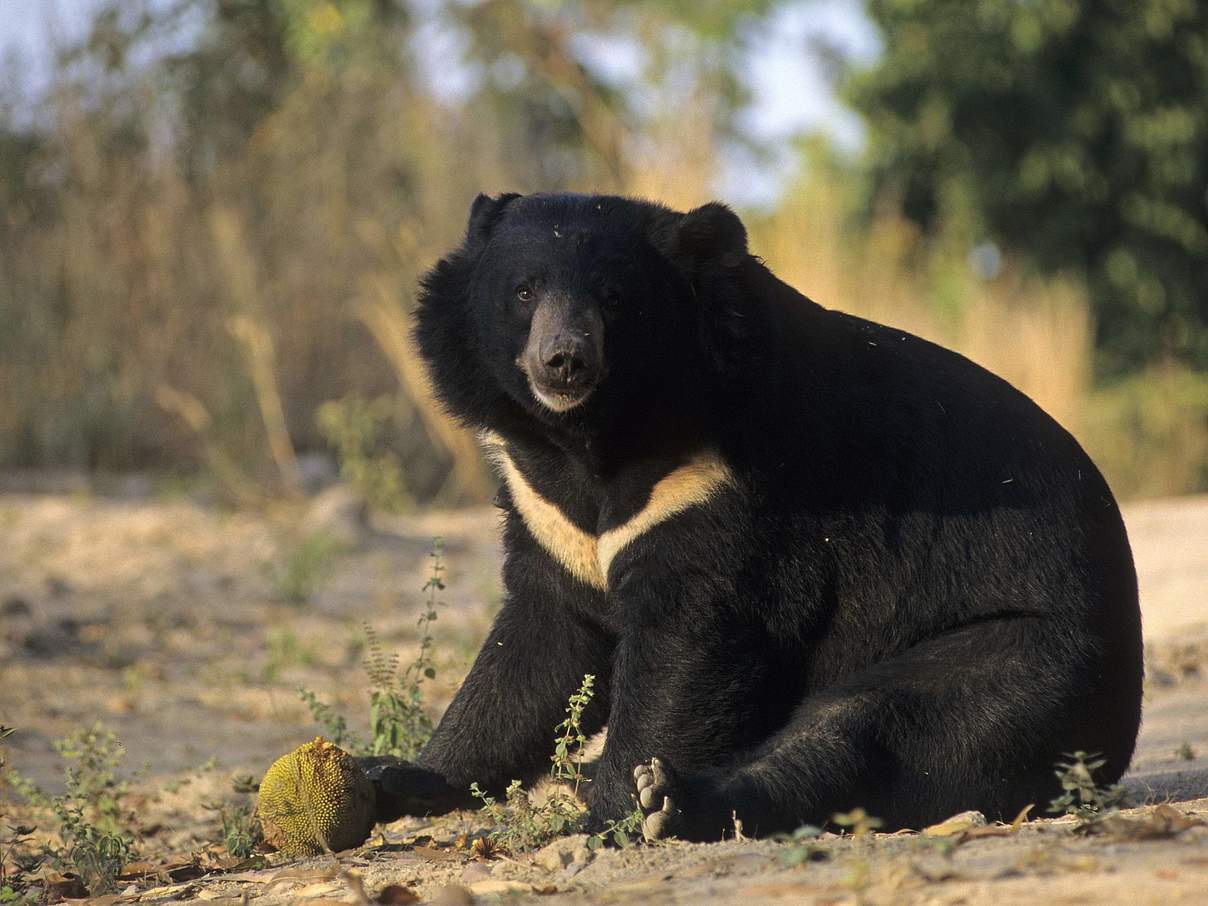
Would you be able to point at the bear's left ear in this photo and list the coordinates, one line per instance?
(710, 234)
(484, 212)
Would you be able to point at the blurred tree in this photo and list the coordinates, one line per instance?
(215, 219)
(1077, 130)
(249, 55)
(581, 81)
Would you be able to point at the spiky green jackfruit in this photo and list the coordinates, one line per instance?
(314, 799)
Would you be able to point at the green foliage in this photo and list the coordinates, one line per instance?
(244, 784)
(537, 79)
(398, 723)
(525, 822)
(568, 765)
(355, 428)
(90, 816)
(14, 895)
(95, 854)
(1082, 795)
(622, 833)
(799, 849)
(857, 822)
(240, 830)
(16, 850)
(91, 760)
(335, 726)
(1078, 134)
(306, 567)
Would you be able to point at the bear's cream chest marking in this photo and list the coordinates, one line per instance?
(586, 556)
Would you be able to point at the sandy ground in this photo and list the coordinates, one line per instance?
(168, 622)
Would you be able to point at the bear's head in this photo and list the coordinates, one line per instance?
(574, 311)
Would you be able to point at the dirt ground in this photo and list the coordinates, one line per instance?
(186, 630)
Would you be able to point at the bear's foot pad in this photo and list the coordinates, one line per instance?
(657, 794)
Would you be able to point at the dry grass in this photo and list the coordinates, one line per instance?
(161, 321)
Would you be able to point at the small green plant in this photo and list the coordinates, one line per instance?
(16, 850)
(1185, 752)
(95, 854)
(240, 830)
(800, 849)
(92, 758)
(90, 816)
(622, 833)
(305, 569)
(334, 725)
(398, 723)
(522, 822)
(1082, 795)
(568, 765)
(857, 822)
(355, 428)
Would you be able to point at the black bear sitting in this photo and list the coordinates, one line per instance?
(814, 562)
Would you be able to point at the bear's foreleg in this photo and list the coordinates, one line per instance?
(691, 688)
(500, 724)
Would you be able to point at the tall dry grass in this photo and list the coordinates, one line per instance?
(152, 319)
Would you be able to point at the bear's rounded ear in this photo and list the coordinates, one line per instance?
(710, 234)
(484, 213)
(712, 231)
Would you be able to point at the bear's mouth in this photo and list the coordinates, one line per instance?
(560, 399)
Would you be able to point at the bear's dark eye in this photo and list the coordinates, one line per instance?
(524, 292)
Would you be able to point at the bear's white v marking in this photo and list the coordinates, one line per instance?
(566, 542)
(587, 556)
(692, 484)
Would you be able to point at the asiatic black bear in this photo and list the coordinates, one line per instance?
(814, 562)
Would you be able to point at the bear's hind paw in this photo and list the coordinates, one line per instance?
(656, 795)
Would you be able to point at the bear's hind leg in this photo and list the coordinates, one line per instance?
(973, 719)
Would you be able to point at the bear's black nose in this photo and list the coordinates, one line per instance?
(565, 349)
(565, 361)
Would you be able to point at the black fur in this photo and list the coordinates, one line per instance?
(914, 597)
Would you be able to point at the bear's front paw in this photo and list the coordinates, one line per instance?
(657, 794)
(402, 788)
